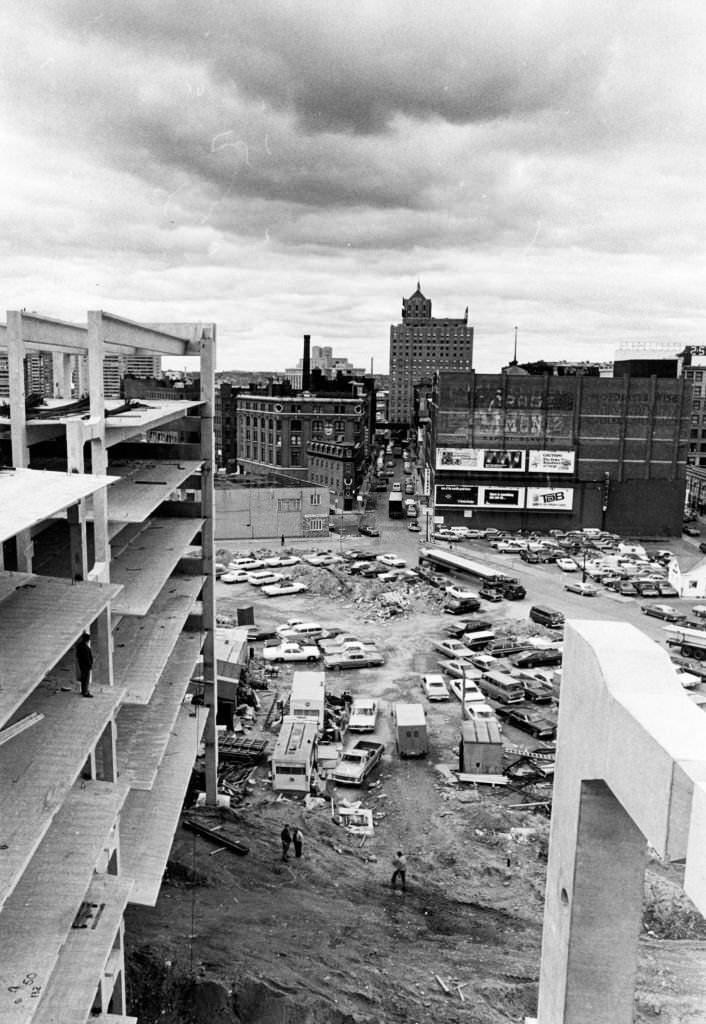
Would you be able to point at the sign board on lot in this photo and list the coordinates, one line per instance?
(480, 496)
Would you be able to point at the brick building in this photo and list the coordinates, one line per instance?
(525, 452)
(421, 345)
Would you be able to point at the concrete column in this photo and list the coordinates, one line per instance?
(99, 456)
(605, 912)
(102, 647)
(78, 541)
(208, 597)
(18, 421)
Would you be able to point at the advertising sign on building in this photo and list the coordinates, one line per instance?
(489, 459)
(457, 496)
(550, 499)
(427, 481)
(453, 494)
(551, 462)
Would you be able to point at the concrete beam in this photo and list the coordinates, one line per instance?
(630, 770)
(126, 334)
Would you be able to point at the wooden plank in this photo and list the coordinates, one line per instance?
(144, 732)
(41, 618)
(29, 496)
(39, 768)
(149, 819)
(142, 646)
(72, 989)
(143, 486)
(144, 567)
(37, 917)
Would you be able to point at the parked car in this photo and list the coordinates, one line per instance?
(460, 593)
(667, 612)
(691, 531)
(533, 557)
(372, 569)
(541, 724)
(414, 526)
(452, 648)
(567, 564)
(490, 594)
(275, 561)
(537, 690)
(455, 668)
(431, 577)
(473, 693)
(582, 589)
(434, 687)
(627, 589)
(368, 531)
(484, 662)
(285, 587)
(646, 588)
(533, 659)
(353, 659)
(667, 590)
(234, 576)
(291, 650)
(363, 715)
(394, 561)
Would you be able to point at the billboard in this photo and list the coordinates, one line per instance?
(550, 499)
(550, 462)
(498, 460)
(480, 496)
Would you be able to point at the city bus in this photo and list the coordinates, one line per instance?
(450, 561)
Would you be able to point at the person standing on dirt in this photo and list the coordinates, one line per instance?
(297, 839)
(399, 863)
(282, 544)
(286, 837)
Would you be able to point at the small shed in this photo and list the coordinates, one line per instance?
(480, 749)
(411, 730)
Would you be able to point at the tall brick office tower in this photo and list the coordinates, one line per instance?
(420, 345)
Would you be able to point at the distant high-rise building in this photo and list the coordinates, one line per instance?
(322, 358)
(117, 367)
(421, 345)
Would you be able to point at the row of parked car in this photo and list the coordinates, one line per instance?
(299, 640)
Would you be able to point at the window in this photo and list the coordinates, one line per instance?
(289, 504)
(314, 499)
(295, 458)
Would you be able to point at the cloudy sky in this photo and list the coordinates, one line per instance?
(291, 166)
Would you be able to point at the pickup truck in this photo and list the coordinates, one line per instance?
(358, 762)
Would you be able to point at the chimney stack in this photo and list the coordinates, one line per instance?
(306, 364)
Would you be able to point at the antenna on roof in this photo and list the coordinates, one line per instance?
(514, 355)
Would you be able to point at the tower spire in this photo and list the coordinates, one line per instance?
(514, 355)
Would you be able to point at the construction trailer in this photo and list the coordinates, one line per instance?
(308, 696)
(294, 755)
(106, 528)
(411, 739)
(480, 748)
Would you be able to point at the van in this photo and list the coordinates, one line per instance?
(503, 688)
(411, 730)
(546, 616)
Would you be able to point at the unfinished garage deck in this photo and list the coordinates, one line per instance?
(29, 496)
(143, 486)
(145, 565)
(37, 917)
(72, 989)
(152, 415)
(38, 769)
(144, 732)
(150, 818)
(142, 646)
(59, 612)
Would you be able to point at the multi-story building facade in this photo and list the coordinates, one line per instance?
(319, 437)
(421, 345)
(525, 452)
(119, 547)
(323, 359)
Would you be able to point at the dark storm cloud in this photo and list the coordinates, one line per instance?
(355, 68)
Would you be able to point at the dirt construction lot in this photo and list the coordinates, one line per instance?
(323, 939)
